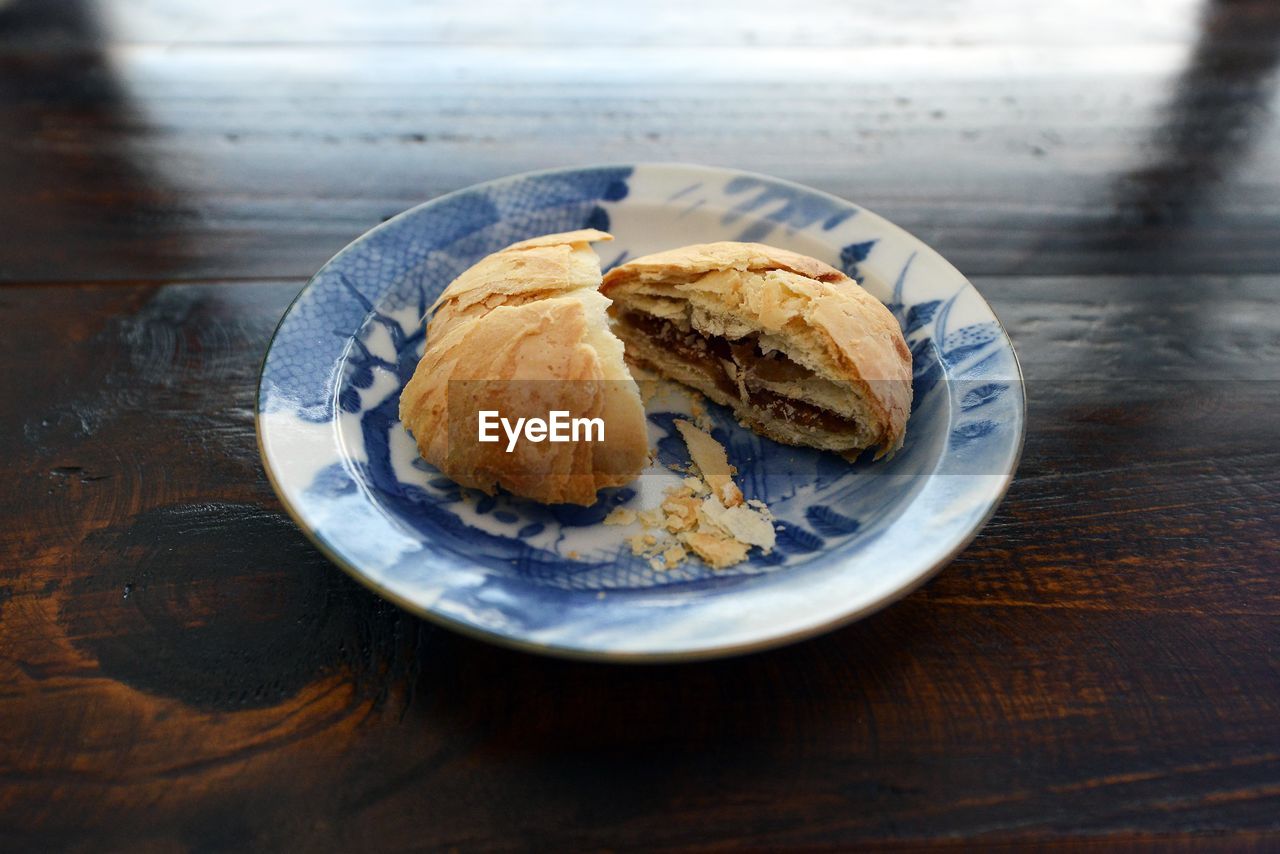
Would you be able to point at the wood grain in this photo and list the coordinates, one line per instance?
(159, 145)
(180, 668)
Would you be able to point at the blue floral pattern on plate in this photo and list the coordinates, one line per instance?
(555, 579)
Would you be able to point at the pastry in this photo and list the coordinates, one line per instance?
(799, 350)
(524, 334)
(705, 514)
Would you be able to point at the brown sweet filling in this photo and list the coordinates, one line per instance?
(722, 359)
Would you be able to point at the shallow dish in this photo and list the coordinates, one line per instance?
(554, 579)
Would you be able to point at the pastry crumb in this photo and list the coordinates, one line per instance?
(712, 461)
(680, 510)
(697, 408)
(649, 387)
(718, 551)
(651, 518)
(651, 547)
(620, 516)
(705, 514)
(699, 487)
(637, 544)
(741, 522)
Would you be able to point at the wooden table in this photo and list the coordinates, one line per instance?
(179, 668)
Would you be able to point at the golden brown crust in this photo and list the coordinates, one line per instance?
(691, 262)
(524, 332)
(808, 310)
(529, 270)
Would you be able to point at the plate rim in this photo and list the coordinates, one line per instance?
(705, 653)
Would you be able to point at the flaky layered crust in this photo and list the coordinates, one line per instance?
(857, 364)
(542, 267)
(525, 332)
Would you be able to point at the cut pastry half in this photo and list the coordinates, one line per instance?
(800, 351)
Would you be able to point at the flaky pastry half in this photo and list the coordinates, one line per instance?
(800, 351)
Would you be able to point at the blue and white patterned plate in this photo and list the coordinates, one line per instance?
(554, 579)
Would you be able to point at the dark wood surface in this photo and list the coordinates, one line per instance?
(179, 669)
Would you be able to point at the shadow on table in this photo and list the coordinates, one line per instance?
(70, 173)
(1218, 110)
